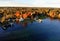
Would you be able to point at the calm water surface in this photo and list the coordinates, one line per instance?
(47, 30)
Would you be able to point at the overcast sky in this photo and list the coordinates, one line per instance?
(30, 3)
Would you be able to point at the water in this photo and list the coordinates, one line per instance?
(47, 30)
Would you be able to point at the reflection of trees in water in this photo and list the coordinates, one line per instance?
(51, 19)
(58, 20)
(7, 24)
(25, 24)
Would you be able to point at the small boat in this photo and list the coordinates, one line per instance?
(21, 19)
(39, 20)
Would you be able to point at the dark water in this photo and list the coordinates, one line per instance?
(48, 30)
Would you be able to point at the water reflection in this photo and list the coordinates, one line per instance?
(24, 24)
(11, 21)
(32, 30)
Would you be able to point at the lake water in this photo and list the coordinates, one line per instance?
(47, 30)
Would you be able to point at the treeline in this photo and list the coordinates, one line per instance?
(11, 11)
